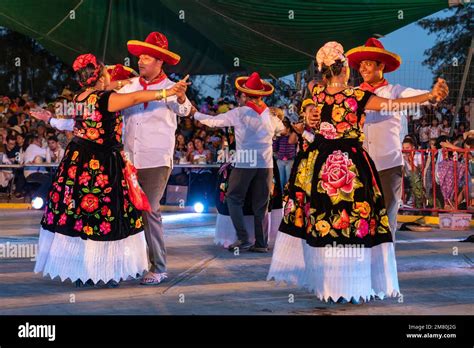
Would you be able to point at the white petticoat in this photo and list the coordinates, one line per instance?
(225, 233)
(79, 259)
(332, 273)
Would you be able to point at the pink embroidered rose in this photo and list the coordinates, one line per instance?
(327, 130)
(96, 116)
(289, 206)
(362, 228)
(78, 225)
(62, 219)
(50, 218)
(351, 103)
(105, 227)
(336, 174)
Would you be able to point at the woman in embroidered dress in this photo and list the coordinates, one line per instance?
(334, 238)
(92, 228)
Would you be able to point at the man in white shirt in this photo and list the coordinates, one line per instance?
(254, 128)
(149, 139)
(35, 154)
(382, 129)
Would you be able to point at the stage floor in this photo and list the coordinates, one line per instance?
(436, 274)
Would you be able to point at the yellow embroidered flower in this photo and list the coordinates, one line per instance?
(384, 220)
(363, 208)
(94, 164)
(88, 230)
(138, 223)
(74, 155)
(323, 227)
(348, 91)
(92, 99)
(318, 89)
(338, 113)
(299, 221)
(304, 176)
(358, 94)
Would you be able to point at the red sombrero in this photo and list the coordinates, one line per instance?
(373, 50)
(120, 72)
(155, 45)
(253, 85)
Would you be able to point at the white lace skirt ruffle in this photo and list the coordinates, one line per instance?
(332, 272)
(79, 259)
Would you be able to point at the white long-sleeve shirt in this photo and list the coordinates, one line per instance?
(383, 131)
(31, 152)
(148, 133)
(253, 134)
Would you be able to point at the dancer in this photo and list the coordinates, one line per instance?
(225, 233)
(382, 130)
(92, 230)
(254, 131)
(335, 237)
(149, 139)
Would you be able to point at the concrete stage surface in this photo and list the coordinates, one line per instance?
(436, 274)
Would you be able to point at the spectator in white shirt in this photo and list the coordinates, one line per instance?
(35, 154)
(435, 129)
(424, 134)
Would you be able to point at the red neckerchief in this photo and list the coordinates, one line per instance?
(161, 76)
(255, 107)
(365, 86)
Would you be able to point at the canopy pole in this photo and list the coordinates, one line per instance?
(107, 27)
(462, 87)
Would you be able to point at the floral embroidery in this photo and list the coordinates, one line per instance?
(342, 222)
(359, 94)
(304, 176)
(329, 100)
(327, 130)
(338, 177)
(94, 164)
(351, 104)
(323, 227)
(88, 230)
(362, 228)
(342, 127)
(89, 203)
(362, 208)
(351, 118)
(338, 113)
(339, 98)
(351, 213)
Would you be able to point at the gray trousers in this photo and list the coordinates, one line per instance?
(153, 182)
(259, 181)
(392, 191)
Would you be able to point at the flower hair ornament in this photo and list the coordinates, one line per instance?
(329, 53)
(84, 60)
